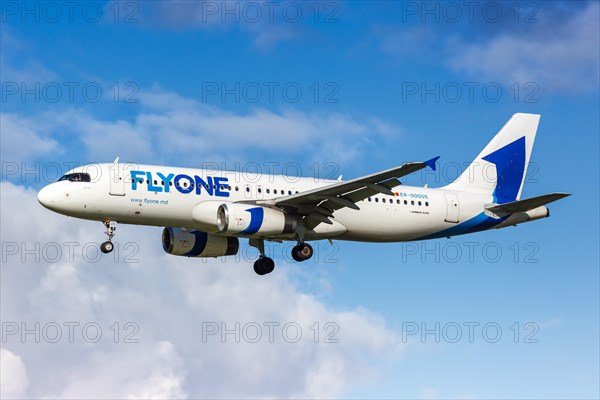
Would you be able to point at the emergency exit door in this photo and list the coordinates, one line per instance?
(451, 208)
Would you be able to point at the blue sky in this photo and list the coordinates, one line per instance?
(340, 88)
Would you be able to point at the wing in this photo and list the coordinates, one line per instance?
(319, 204)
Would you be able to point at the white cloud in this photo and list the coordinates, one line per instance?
(13, 376)
(170, 127)
(428, 393)
(153, 372)
(564, 58)
(24, 139)
(171, 300)
(559, 52)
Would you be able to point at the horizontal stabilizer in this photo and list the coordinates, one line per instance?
(525, 205)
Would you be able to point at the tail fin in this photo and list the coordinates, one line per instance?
(499, 170)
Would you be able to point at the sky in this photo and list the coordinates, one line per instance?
(316, 89)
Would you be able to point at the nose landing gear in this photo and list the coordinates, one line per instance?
(111, 227)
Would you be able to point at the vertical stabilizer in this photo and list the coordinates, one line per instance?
(500, 169)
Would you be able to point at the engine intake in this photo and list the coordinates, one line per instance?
(180, 242)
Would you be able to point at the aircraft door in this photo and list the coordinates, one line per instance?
(117, 180)
(451, 208)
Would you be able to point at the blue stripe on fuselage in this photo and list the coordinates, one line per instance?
(480, 222)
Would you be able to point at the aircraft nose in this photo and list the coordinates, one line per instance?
(46, 197)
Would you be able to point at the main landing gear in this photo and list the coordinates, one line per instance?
(264, 265)
(111, 227)
(302, 252)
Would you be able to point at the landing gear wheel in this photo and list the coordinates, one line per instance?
(106, 247)
(111, 227)
(294, 256)
(264, 265)
(302, 252)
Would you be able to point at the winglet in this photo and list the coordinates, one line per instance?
(431, 163)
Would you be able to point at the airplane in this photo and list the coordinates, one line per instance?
(205, 213)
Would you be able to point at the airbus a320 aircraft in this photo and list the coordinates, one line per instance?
(205, 213)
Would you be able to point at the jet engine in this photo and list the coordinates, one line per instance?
(193, 243)
(240, 219)
(247, 220)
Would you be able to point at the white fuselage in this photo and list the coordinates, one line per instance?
(152, 196)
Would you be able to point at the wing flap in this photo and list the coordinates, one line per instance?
(346, 194)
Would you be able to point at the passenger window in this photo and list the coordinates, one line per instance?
(398, 201)
(419, 203)
(376, 199)
(268, 191)
(426, 204)
(405, 202)
(412, 202)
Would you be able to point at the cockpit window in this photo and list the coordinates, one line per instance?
(76, 177)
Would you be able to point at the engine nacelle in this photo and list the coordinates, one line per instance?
(246, 220)
(204, 215)
(180, 242)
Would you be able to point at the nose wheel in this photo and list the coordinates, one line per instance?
(302, 252)
(111, 227)
(106, 247)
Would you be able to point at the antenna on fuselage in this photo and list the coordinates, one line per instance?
(116, 160)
